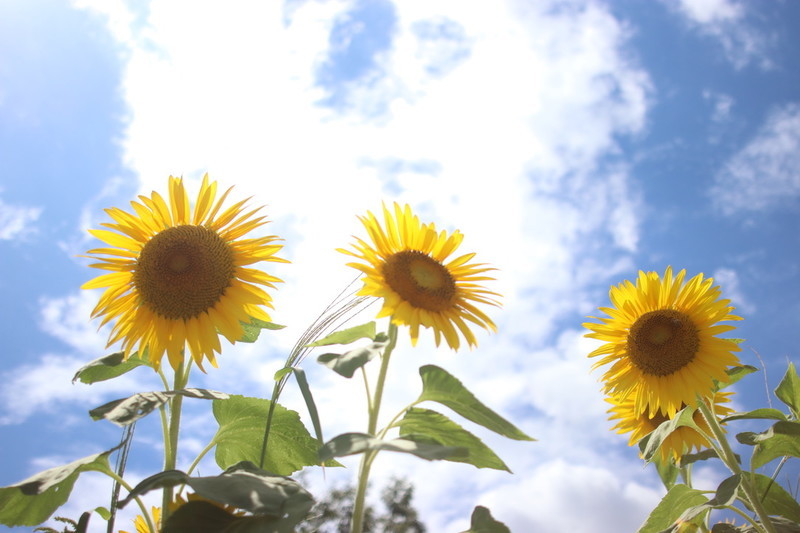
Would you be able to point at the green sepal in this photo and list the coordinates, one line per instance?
(483, 522)
(775, 499)
(242, 486)
(447, 433)
(783, 438)
(650, 444)
(346, 336)
(788, 391)
(241, 433)
(35, 499)
(418, 445)
(440, 386)
(677, 500)
(109, 367)
(347, 363)
(253, 329)
(764, 413)
(128, 410)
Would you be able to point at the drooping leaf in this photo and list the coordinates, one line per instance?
(764, 413)
(253, 329)
(353, 443)
(775, 499)
(447, 433)
(440, 386)
(347, 363)
(305, 390)
(783, 438)
(244, 487)
(483, 522)
(33, 500)
(128, 410)
(788, 390)
(241, 432)
(108, 367)
(346, 336)
(652, 442)
(738, 372)
(679, 498)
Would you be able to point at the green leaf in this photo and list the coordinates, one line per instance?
(254, 327)
(783, 438)
(353, 443)
(447, 433)
(788, 390)
(652, 442)
(305, 390)
(108, 367)
(483, 522)
(440, 386)
(346, 336)
(241, 433)
(702, 455)
(737, 372)
(347, 363)
(242, 486)
(678, 499)
(725, 496)
(33, 500)
(775, 499)
(128, 410)
(667, 471)
(764, 413)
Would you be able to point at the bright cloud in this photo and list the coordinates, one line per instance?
(16, 221)
(765, 173)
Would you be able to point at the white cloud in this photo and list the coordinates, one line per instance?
(728, 280)
(17, 221)
(725, 21)
(722, 105)
(765, 174)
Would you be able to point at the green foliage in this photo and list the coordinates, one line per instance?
(108, 367)
(254, 327)
(346, 336)
(347, 363)
(788, 391)
(33, 500)
(652, 442)
(782, 439)
(447, 433)
(128, 410)
(440, 386)
(764, 413)
(677, 500)
(353, 443)
(241, 433)
(483, 522)
(775, 499)
(738, 372)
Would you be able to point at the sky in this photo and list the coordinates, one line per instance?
(572, 142)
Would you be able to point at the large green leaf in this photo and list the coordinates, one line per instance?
(447, 433)
(783, 438)
(353, 443)
(775, 499)
(346, 336)
(483, 522)
(242, 486)
(347, 363)
(788, 390)
(440, 386)
(764, 413)
(241, 434)
(725, 496)
(254, 327)
(650, 444)
(677, 500)
(33, 500)
(128, 410)
(108, 367)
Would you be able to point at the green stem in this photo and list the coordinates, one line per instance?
(729, 458)
(208, 448)
(171, 452)
(357, 523)
(113, 475)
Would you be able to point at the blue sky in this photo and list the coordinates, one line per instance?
(572, 142)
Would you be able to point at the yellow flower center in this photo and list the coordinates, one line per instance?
(662, 342)
(420, 280)
(183, 271)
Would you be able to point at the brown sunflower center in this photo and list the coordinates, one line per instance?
(662, 342)
(183, 271)
(420, 280)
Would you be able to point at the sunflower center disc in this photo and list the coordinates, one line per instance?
(420, 280)
(662, 342)
(183, 271)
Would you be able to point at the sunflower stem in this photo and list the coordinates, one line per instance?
(729, 458)
(171, 452)
(374, 408)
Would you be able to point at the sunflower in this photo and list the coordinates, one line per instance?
(141, 524)
(407, 265)
(681, 441)
(660, 339)
(178, 277)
